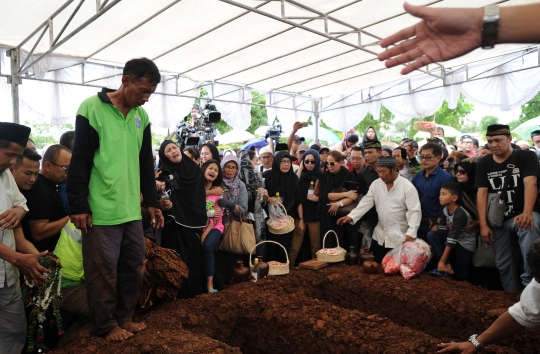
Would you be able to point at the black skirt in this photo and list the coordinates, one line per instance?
(187, 243)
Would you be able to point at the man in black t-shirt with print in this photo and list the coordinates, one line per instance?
(516, 172)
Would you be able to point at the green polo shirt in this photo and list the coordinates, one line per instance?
(114, 187)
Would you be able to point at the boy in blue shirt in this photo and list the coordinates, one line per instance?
(460, 242)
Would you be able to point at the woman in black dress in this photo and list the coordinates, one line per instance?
(337, 190)
(281, 179)
(183, 222)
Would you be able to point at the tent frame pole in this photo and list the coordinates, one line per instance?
(14, 81)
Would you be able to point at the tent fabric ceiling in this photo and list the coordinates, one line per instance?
(246, 42)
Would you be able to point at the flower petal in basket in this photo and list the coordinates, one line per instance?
(331, 255)
(274, 267)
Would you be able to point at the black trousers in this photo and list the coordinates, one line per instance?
(378, 251)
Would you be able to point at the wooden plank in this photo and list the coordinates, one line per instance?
(313, 264)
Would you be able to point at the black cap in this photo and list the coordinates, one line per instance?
(498, 129)
(386, 161)
(16, 133)
(466, 136)
(324, 149)
(372, 145)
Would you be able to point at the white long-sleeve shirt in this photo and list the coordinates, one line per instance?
(10, 197)
(527, 311)
(398, 209)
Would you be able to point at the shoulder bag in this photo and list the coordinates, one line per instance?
(346, 209)
(239, 237)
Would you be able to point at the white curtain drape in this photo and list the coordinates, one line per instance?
(237, 115)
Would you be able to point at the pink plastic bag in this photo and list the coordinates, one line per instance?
(414, 258)
(391, 262)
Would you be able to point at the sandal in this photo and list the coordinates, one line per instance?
(213, 291)
(436, 273)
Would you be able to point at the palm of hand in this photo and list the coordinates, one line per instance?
(447, 37)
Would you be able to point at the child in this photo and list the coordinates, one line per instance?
(462, 243)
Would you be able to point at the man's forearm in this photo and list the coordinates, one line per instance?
(531, 192)
(505, 326)
(481, 205)
(7, 253)
(518, 24)
(47, 230)
(22, 244)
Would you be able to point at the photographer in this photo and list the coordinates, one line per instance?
(195, 115)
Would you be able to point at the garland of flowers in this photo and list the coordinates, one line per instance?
(41, 299)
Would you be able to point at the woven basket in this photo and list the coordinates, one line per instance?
(288, 227)
(339, 256)
(282, 269)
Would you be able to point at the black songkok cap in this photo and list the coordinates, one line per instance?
(372, 145)
(535, 133)
(498, 129)
(386, 161)
(15, 133)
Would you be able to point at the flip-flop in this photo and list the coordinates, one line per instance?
(436, 273)
(213, 291)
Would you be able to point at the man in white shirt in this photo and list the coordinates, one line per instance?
(523, 314)
(15, 250)
(398, 207)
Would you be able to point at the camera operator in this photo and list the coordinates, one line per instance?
(195, 115)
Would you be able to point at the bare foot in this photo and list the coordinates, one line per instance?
(133, 327)
(118, 334)
(448, 270)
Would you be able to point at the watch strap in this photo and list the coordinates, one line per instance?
(475, 342)
(490, 27)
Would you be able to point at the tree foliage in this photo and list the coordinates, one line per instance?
(485, 122)
(384, 122)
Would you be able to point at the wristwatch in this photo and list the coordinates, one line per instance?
(341, 204)
(475, 342)
(490, 27)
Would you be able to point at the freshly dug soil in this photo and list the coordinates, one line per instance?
(334, 310)
(153, 340)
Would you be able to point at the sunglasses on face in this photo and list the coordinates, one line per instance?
(332, 164)
(461, 172)
(309, 162)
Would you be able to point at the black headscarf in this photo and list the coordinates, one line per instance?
(365, 135)
(284, 183)
(188, 194)
(312, 175)
(214, 150)
(468, 188)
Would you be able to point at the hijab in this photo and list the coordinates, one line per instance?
(284, 183)
(188, 194)
(312, 175)
(232, 184)
(469, 203)
(213, 150)
(366, 138)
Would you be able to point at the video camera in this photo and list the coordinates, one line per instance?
(274, 133)
(202, 130)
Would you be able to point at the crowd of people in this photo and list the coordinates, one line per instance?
(94, 197)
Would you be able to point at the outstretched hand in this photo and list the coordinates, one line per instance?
(443, 34)
(463, 347)
(344, 220)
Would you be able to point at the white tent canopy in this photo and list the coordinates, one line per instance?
(296, 52)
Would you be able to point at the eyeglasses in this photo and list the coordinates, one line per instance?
(265, 157)
(230, 167)
(64, 167)
(309, 162)
(286, 162)
(426, 157)
(461, 172)
(332, 163)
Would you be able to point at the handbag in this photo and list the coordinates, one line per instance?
(496, 204)
(346, 209)
(239, 238)
(484, 255)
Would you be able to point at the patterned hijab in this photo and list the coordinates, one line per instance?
(232, 184)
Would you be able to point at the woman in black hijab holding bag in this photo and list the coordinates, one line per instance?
(331, 198)
(183, 222)
(281, 179)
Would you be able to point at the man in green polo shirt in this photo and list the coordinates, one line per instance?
(111, 166)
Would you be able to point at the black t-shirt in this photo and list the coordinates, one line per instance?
(493, 175)
(366, 177)
(309, 207)
(43, 203)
